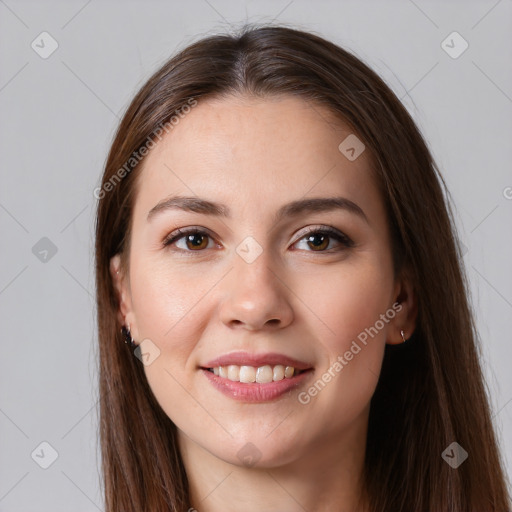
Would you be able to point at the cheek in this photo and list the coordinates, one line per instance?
(164, 308)
(172, 309)
(163, 300)
(347, 306)
(347, 301)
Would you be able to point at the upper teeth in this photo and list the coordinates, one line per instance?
(261, 374)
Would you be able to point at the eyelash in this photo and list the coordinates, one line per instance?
(331, 232)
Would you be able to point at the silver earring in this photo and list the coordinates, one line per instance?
(403, 336)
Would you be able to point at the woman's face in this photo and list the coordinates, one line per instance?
(262, 286)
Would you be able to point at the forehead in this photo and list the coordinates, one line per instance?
(256, 153)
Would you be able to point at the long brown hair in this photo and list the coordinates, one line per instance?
(431, 390)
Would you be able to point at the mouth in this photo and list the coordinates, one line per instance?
(256, 378)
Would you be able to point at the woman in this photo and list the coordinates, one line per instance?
(283, 317)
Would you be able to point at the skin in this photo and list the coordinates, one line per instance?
(255, 155)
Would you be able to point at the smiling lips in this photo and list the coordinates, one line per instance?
(255, 378)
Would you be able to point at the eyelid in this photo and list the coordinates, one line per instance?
(328, 230)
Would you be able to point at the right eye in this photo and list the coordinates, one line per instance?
(194, 239)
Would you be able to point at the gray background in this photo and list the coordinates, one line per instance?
(58, 117)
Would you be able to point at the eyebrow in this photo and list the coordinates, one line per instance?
(293, 209)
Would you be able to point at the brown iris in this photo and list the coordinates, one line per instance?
(324, 239)
(196, 244)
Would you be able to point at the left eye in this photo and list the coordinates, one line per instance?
(319, 239)
(196, 240)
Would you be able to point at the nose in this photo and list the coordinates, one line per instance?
(256, 296)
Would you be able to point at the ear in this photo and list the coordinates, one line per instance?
(406, 310)
(125, 314)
